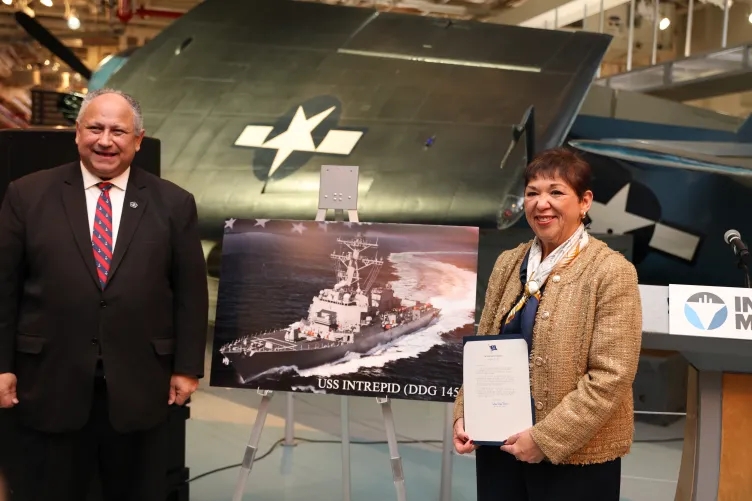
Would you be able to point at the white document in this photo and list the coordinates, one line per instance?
(496, 387)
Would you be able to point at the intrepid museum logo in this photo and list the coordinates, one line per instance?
(705, 311)
(306, 129)
(724, 311)
(719, 312)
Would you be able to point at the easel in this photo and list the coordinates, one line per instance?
(338, 190)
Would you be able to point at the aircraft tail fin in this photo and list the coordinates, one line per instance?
(744, 132)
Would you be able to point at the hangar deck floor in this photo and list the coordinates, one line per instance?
(222, 420)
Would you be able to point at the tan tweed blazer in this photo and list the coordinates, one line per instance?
(586, 345)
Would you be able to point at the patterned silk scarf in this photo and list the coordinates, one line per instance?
(538, 272)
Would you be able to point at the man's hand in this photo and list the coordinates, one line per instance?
(523, 447)
(8, 390)
(181, 387)
(462, 442)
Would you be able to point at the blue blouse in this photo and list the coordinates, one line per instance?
(523, 322)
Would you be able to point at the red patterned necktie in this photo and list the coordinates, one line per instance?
(101, 237)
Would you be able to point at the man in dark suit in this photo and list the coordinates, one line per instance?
(103, 312)
(4, 488)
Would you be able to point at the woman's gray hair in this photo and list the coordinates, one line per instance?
(138, 121)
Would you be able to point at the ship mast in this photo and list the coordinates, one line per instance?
(354, 262)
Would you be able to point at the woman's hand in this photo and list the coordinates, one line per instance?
(523, 447)
(462, 442)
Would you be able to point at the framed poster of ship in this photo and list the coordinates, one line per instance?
(364, 309)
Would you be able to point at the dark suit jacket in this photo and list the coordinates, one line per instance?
(149, 322)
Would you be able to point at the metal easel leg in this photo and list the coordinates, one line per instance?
(338, 190)
(345, 418)
(289, 420)
(391, 436)
(447, 454)
(252, 447)
(289, 442)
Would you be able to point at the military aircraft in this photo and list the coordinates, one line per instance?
(250, 98)
(675, 189)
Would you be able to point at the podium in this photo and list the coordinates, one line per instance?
(717, 342)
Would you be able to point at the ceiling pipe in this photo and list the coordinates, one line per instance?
(142, 12)
(124, 11)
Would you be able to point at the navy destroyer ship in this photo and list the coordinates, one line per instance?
(352, 316)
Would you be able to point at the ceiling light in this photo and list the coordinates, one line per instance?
(665, 23)
(7, 2)
(750, 18)
(46, 3)
(73, 22)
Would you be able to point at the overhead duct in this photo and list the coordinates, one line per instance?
(125, 12)
(170, 14)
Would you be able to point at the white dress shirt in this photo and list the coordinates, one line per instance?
(117, 197)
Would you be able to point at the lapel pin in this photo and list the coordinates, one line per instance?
(134, 205)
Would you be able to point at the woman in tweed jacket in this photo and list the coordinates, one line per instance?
(577, 304)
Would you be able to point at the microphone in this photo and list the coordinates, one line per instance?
(733, 238)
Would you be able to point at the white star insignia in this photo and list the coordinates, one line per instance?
(261, 222)
(613, 216)
(298, 137)
(298, 228)
(230, 223)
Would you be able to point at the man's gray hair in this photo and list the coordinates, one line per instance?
(138, 120)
